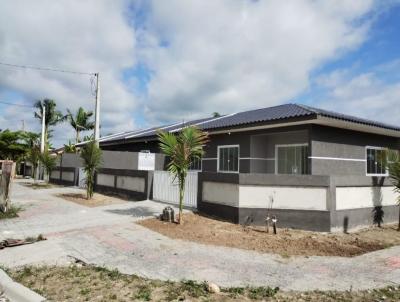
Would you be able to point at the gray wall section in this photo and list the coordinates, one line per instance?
(111, 160)
(254, 144)
(120, 160)
(135, 195)
(71, 160)
(340, 143)
(314, 220)
(262, 147)
(354, 218)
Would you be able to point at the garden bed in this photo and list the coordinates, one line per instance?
(287, 242)
(97, 200)
(90, 283)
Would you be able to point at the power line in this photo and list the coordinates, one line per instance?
(13, 104)
(47, 69)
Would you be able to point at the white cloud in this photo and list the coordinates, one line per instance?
(203, 56)
(364, 94)
(91, 36)
(226, 56)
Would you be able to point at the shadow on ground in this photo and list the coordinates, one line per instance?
(135, 212)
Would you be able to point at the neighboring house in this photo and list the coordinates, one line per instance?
(314, 169)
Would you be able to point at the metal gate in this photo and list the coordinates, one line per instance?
(167, 190)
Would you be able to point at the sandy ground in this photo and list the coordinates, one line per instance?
(97, 200)
(287, 242)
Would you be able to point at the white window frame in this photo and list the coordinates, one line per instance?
(285, 145)
(228, 146)
(201, 164)
(366, 161)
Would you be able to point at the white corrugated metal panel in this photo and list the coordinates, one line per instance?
(166, 189)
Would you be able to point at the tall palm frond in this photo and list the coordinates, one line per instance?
(392, 159)
(52, 116)
(92, 160)
(181, 150)
(80, 121)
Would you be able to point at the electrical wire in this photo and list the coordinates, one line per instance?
(13, 104)
(47, 69)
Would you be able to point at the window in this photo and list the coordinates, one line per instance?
(228, 158)
(376, 161)
(195, 164)
(292, 159)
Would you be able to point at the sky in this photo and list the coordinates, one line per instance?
(176, 60)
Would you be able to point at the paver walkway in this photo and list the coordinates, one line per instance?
(109, 236)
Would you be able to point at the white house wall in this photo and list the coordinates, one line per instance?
(364, 197)
(105, 180)
(299, 198)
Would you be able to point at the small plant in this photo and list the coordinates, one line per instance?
(194, 289)
(234, 291)
(144, 293)
(92, 159)
(12, 212)
(262, 292)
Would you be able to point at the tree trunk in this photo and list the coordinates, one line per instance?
(398, 228)
(181, 195)
(77, 136)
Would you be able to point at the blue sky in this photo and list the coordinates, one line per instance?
(165, 61)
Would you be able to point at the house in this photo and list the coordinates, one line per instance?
(313, 168)
(286, 139)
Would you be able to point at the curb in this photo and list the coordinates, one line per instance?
(16, 292)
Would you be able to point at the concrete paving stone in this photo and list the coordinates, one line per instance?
(108, 236)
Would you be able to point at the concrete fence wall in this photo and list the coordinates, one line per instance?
(134, 184)
(118, 174)
(320, 203)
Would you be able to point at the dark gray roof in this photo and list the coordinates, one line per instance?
(285, 112)
(150, 132)
(276, 114)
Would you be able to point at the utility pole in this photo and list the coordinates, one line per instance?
(23, 125)
(43, 130)
(97, 114)
(42, 139)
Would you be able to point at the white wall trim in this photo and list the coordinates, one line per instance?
(257, 158)
(366, 161)
(338, 158)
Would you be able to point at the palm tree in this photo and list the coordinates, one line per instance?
(52, 116)
(182, 149)
(92, 159)
(49, 162)
(80, 121)
(33, 157)
(393, 165)
(70, 148)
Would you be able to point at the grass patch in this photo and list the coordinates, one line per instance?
(11, 213)
(88, 283)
